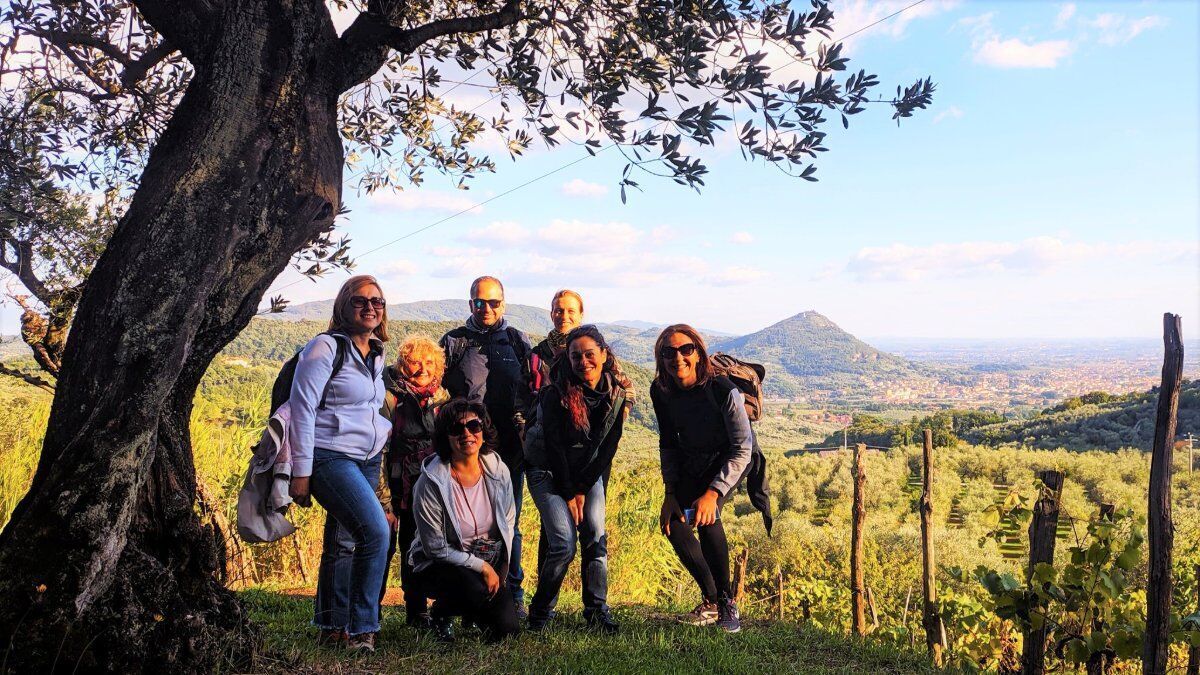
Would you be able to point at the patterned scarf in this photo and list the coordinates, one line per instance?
(556, 340)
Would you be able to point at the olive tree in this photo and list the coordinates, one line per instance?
(234, 120)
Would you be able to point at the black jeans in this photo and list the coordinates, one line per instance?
(416, 599)
(459, 591)
(704, 551)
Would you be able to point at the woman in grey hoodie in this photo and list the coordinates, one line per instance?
(464, 511)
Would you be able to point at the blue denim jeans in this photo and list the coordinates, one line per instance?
(561, 536)
(516, 574)
(354, 555)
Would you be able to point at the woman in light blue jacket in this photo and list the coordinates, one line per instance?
(337, 435)
(464, 509)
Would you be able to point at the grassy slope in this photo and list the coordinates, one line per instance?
(647, 643)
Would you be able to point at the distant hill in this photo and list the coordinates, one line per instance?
(1095, 420)
(525, 317)
(809, 352)
(11, 347)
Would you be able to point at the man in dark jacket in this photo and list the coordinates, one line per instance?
(487, 361)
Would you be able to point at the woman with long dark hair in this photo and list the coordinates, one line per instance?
(465, 514)
(705, 445)
(337, 434)
(582, 414)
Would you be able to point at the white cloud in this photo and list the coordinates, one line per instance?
(423, 200)
(855, 14)
(662, 234)
(397, 268)
(576, 236)
(1116, 29)
(499, 234)
(1036, 255)
(1064, 15)
(953, 112)
(741, 238)
(736, 276)
(581, 188)
(1016, 53)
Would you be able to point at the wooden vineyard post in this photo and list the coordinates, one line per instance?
(858, 619)
(931, 619)
(1193, 667)
(779, 585)
(1096, 663)
(1161, 529)
(739, 575)
(1042, 532)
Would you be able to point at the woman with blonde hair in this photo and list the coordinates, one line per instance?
(337, 434)
(414, 394)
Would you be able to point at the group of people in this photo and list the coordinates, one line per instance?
(429, 457)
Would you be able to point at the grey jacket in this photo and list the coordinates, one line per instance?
(350, 422)
(439, 535)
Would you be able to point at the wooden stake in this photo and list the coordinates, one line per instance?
(1161, 529)
(871, 608)
(779, 585)
(300, 558)
(858, 618)
(1042, 534)
(739, 575)
(1193, 667)
(931, 619)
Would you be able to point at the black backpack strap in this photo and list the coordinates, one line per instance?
(517, 339)
(339, 358)
(611, 418)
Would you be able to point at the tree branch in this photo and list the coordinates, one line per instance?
(135, 71)
(22, 267)
(365, 45)
(187, 24)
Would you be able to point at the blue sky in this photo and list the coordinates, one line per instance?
(1051, 191)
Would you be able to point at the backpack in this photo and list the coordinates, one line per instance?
(282, 389)
(746, 376)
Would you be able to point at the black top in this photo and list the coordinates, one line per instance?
(575, 459)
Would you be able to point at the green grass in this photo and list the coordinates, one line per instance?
(648, 643)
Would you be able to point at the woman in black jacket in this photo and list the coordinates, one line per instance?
(581, 416)
(705, 445)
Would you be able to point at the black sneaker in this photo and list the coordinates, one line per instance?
(704, 614)
(536, 622)
(602, 620)
(443, 629)
(522, 612)
(422, 622)
(727, 616)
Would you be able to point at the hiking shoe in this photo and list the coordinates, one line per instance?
(536, 622)
(522, 612)
(363, 642)
(727, 616)
(331, 637)
(443, 629)
(601, 619)
(704, 615)
(421, 622)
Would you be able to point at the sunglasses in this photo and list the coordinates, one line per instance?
(669, 353)
(479, 303)
(474, 426)
(359, 302)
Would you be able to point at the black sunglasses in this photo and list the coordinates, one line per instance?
(669, 352)
(359, 301)
(474, 426)
(478, 303)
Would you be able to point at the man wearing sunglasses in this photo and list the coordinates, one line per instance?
(488, 362)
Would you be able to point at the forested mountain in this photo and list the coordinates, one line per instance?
(1096, 420)
(525, 317)
(809, 352)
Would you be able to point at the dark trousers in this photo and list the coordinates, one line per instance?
(704, 551)
(416, 600)
(459, 591)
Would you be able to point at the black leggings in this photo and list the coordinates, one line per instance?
(705, 558)
(459, 591)
(416, 601)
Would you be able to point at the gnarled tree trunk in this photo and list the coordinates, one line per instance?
(105, 564)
